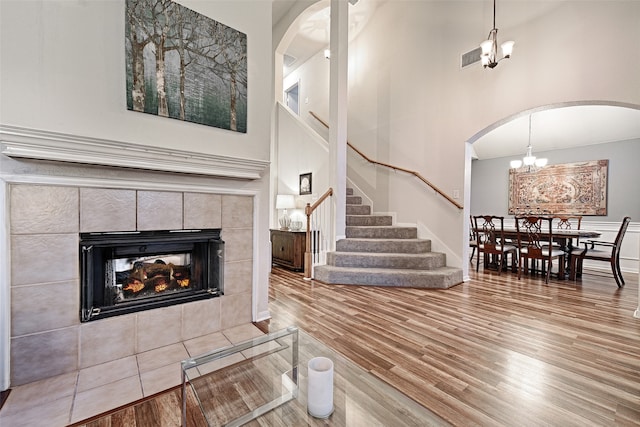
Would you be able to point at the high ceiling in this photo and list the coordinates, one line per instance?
(558, 128)
(551, 129)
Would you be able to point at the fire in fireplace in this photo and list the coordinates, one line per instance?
(127, 272)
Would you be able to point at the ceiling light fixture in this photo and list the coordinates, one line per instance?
(489, 47)
(529, 160)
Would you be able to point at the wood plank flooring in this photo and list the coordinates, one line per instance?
(494, 351)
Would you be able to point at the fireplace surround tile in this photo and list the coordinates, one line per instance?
(159, 210)
(160, 379)
(159, 327)
(238, 244)
(42, 307)
(37, 394)
(237, 212)
(163, 356)
(238, 277)
(106, 340)
(202, 210)
(43, 258)
(206, 343)
(53, 412)
(44, 209)
(43, 355)
(106, 209)
(105, 398)
(236, 310)
(200, 318)
(106, 373)
(242, 332)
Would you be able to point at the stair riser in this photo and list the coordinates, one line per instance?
(369, 220)
(358, 210)
(376, 278)
(392, 261)
(382, 232)
(354, 200)
(390, 246)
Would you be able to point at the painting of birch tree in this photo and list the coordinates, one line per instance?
(184, 65)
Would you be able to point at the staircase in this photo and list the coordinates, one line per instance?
(377, 253)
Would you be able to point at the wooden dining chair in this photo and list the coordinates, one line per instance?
(601, 251)
(473, 238)
(491, 241)
(535, 235)
(568, 222)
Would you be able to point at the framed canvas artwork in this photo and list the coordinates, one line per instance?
(183, 65)
(305, 183)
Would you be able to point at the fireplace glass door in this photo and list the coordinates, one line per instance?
(128, 272)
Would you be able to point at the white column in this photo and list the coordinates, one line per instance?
(637, 312)
(338, 111)
(5, 288)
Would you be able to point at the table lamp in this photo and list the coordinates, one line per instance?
(284, 202)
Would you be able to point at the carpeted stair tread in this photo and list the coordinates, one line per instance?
(369, 220)
(382, 232)
(439, 278)
(407, 246)
(418, 261)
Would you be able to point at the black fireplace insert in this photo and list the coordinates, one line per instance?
(128, 272)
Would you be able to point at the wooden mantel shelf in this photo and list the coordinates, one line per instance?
(44, 145)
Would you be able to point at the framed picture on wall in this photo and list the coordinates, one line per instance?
(305, 183)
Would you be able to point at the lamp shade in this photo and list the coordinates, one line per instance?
(486, 47)
(541, 163)
(285, 201)
(507, 48)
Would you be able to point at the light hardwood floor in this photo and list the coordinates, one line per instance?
(494, 351)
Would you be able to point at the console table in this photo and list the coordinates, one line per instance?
(288, 248)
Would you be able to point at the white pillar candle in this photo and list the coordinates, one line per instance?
(320, 387)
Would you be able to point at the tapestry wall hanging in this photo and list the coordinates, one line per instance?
(183, 65)
(570, 188)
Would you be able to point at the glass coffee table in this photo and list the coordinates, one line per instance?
(263, 382)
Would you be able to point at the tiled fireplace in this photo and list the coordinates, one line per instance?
(47, 223)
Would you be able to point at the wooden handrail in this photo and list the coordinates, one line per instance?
(375, 162)
(308, 210)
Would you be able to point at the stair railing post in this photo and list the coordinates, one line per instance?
(307, 253)
(318, 231)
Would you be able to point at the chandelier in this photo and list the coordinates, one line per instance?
(489, 47)
(529, 160)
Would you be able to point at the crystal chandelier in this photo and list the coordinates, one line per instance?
(529, 160)
(489, 47)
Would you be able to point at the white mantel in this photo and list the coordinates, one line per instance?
(21, 142)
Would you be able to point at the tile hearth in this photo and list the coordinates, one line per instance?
(76, 396)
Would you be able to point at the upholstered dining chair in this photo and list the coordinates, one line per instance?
(535, 236)
(490, 234)
(601, 251)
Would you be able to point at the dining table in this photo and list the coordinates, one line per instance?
(564, 238)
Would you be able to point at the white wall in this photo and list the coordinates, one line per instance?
(313, 88)
(63, 69)
(300, 151)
